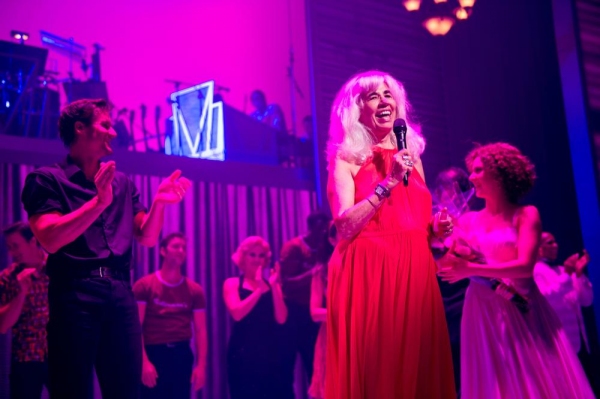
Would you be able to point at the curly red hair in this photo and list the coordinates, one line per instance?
(514, 171)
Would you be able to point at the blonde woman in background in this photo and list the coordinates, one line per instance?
(258, 310)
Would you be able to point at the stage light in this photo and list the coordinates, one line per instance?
(439, 16)
(461, 14)
(18, 35)
(466, 3)
(438, 26)
(412, 5)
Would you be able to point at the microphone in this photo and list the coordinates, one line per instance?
(400, 133)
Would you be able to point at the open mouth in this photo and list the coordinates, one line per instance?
(384, 114)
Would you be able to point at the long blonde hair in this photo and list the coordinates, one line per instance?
(349, 139)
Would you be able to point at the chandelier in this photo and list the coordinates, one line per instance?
(440, 15)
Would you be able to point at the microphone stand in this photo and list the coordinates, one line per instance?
(294, 87)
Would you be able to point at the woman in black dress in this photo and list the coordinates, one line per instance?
(257, 306)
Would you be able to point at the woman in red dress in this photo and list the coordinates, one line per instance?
(387, 333)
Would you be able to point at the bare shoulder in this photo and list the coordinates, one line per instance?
(527, 213)
(419, 166)
(342, 167)
(340, 185)
(231, 283)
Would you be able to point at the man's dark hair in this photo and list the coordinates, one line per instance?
(164, 243)
(260, 94)
(20, 227)
(82, 111)
(315, 217)
(454, 175)
(167, 239)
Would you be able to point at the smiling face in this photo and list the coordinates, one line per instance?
(485, 184)
(95, 139)
(379, 111)
(253, 258)
(175, 252)
(548, 247)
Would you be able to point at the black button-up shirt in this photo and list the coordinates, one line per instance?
(108, 241)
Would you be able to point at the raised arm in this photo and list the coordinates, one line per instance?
(279, 307)
(349, 217)
(529, 229)
(236, 307)
(11, 311)
(583, 287)
(54, 230)
(148, 225)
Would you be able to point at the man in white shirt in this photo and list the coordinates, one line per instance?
(567, 289)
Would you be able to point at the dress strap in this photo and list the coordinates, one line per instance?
(241, 286)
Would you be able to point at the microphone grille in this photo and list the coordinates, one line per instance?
(399, 125)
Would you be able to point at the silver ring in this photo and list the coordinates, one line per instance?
(405, 157)
(408, 163)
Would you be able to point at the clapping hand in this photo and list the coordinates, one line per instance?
(172, 189)
(453, 266)
(274, 275)
(103, 181)
(263, 287)
(24, 279)
(576, 263)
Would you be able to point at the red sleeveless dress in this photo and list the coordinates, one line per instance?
(387, 334)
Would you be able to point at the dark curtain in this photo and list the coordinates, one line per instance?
(215, 218)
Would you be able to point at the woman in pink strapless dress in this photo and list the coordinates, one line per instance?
(506, 353)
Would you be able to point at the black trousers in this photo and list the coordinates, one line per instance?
(27, 379)
(173, 364)
(93, 324)
(300, 336)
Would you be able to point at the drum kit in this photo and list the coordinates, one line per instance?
(29, 93)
